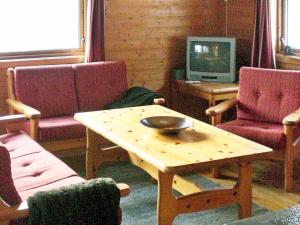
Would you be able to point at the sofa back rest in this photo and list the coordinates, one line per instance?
(8, 190)
(99, 83)
(268, 95)
(49, 89)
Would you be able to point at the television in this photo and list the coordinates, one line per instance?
(211, 59)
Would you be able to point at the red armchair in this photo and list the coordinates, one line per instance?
(268, 112)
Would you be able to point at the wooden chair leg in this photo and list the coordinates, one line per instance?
(288, 175)
(215, 120)
(289, 160)
(216, 172)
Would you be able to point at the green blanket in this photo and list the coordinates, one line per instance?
(95, 202)
(135, 96)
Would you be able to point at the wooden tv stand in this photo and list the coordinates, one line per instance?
(210, 91)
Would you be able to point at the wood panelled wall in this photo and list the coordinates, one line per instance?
(150, 35)
(240, 25)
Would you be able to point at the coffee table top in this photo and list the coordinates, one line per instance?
(200, 146)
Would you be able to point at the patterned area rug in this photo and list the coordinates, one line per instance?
(139, 208)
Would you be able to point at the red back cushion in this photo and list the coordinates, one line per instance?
(7, 188)
(268, 95)
(49, 89)
(99, 83)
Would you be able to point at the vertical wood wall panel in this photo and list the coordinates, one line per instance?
(150, 35)
(240, 25)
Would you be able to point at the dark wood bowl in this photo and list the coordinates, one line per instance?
(167, 124)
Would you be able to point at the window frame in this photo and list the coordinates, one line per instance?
(55, 53)
(282, 26)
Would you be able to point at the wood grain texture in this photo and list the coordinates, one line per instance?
(162, 156)
(200, 146)
(240, 25)
(151, 35)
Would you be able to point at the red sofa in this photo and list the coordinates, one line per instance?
(50, 96)
(27, 168)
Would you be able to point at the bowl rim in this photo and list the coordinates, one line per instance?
(189, 123)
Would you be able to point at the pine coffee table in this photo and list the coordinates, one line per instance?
(165, 157)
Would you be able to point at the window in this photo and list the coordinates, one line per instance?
(40, 27)
(290, 17)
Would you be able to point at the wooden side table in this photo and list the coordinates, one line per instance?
(210, 91)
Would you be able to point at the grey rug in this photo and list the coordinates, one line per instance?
(139, 208)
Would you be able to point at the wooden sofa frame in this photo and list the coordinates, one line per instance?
(34, 115)
(9, 213)
(287, 155)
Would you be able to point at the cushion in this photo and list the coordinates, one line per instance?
(38, 169)
(58, 128)
(267, 134)
(57, 184)
(30, 168)
(268, 95)
(19, 144)
(49, 89)
(99, 83)
(7, 188)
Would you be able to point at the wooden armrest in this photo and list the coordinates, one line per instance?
(222, 107)
(159, 101)
(28, 111)
(124, 189)
(12, 119)
(292, 119)
(15, 212)
(21, 211)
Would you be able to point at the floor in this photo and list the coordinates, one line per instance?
(267, 184)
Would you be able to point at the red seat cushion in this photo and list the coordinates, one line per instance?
(19, 144)
(57, 184)
(267, 134)
(7, 188)
(58, 128)
(268, 95)
(31, 167)
(99, 83)
(49, 89)
(38, 169)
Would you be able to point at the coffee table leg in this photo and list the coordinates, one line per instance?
(166, 204)
(245, 189)
(90, 154)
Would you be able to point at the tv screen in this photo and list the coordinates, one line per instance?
(211, 59)
(210, 56)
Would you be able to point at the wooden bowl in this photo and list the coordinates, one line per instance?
(167, 124)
